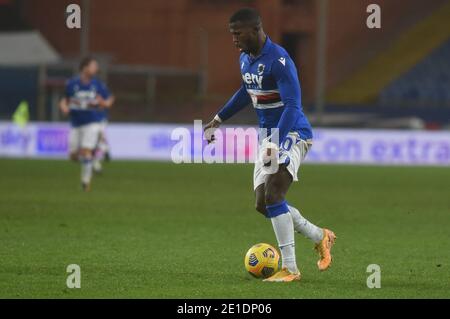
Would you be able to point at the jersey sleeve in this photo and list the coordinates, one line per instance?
(285, 75)
(103, 90)
(238, 101)
(69, 91)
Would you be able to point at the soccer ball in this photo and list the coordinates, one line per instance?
(262, 260)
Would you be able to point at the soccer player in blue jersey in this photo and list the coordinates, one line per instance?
(271, 84)
(85, 96)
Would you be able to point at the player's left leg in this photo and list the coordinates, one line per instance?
(104, 147)
(88, 142)
(101, 149)
(86, 155)
(276, 187)
(103, 144)
(322, 237)
(97, 155)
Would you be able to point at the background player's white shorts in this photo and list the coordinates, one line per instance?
(294, 151)
(85, 136)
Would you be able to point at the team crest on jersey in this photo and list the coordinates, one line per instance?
(261, 68)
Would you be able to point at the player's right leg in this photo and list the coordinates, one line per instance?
(260, 201)
(74, 143)
(276, 187)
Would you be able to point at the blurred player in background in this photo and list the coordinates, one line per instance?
(271, 84)
(85, 100)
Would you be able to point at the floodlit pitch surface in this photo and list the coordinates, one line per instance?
(160, 230)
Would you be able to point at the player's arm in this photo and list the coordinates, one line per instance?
(104, 98)
(105, 103)
(289, 87)
(238, 101)
(64, 106)
(64, 102)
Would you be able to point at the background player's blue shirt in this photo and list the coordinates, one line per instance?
(79, 95)
(271, 84)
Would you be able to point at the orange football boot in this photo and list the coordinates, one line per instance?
(284, 275)
(324, 249)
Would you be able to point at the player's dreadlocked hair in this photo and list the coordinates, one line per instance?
(85, 62)
(247, 16)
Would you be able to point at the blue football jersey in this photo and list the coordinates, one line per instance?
(270, 82)
(79, 95)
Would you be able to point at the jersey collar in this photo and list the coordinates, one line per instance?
(266, 47)
(265, 50)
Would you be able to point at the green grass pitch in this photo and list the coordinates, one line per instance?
(161, 230)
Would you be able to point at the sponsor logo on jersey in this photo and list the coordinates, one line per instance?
(250, 78)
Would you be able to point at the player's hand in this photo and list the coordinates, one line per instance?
(64, 110)
(96, 102)
(104, 103)
(75, 101)
(64, 107)
(209, 130)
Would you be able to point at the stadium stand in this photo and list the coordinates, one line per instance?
(426, 84)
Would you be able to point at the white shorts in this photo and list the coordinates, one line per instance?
(294, 152)
(85, 136)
